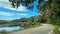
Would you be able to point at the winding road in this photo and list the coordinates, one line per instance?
(44, 29)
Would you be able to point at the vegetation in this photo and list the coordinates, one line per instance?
(4, 32)
(16, 3)
(50, 13)
(24, 22)
(3, 22)
(56, 30)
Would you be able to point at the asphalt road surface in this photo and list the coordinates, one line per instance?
(44, 29)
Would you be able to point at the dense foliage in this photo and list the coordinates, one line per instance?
(51, 11)
(16, 3)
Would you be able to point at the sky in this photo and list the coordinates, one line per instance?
(9, 13)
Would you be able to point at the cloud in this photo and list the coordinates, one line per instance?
(22, 14)
(7, 5)
(5, 14)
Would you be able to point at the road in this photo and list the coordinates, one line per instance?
(44, 29)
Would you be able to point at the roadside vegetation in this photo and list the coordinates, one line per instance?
(56, 30)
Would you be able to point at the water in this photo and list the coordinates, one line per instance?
(10, 28)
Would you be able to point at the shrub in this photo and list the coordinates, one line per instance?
(56, 30)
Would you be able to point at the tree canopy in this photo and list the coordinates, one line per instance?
(27, 3)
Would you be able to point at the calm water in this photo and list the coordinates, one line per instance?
(10, 28)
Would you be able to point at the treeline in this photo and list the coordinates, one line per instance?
(31, 21)
(38, 18)
(3, 22)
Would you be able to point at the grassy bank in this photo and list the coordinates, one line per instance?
(56, 30)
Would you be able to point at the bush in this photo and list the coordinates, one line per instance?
(31, 26)
(56, 30)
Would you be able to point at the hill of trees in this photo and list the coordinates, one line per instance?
(24, 21)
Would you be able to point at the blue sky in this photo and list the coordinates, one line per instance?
(9, 13)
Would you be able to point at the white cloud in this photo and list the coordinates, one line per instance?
(6, 4)
(5, 14)
(22, 14)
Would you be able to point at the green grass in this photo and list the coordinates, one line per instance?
(56, 29)
(35, 25)
(4, 32)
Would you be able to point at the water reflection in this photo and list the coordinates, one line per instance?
(10, 28)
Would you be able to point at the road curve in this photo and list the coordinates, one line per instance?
(44, 29)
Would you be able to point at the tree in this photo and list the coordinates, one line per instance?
(50, 9)
(16, 3)
(52, 14)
